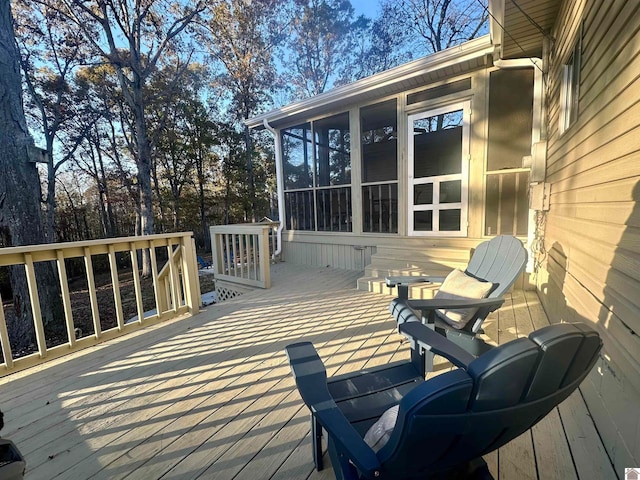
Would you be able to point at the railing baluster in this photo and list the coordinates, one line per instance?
(66, 299)
(234, 246)
(173, 277)
(35, 304)
(91, 286)
(379, 207)
(390, 194)
(4, 339)
(162, 303)
(370, 209)
(115, 285)
(242, 239)
(228, 251)
(255, 257)
(136, 282)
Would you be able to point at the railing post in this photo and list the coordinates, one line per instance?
(263, 256)
(190, 274)
(216, 253)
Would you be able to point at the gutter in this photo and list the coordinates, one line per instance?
(279, 186)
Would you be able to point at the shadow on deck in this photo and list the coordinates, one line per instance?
(211, 396)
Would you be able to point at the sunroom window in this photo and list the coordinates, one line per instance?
(379, 135)
(509, 139)
(317, 175)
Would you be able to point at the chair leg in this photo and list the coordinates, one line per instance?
(422, 360)
(316, 442)
(342, 468)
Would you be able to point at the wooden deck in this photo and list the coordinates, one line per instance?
(212, 397)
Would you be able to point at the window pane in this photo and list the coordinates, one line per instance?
(451, 192)
(510, 117)
(379, 133)
(380, 208)
(296, 157)
(333, 150)
(437, 145)
(423, 194)
(450, 220)
(423, 221)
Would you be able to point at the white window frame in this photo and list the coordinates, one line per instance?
(463, 176)
(570, 89)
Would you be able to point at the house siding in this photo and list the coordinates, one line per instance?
(591, 270)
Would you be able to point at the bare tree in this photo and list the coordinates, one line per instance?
(429, 26)
(135, 37)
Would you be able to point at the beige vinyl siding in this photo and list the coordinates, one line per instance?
(592, 236)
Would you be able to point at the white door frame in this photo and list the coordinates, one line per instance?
(436, 180)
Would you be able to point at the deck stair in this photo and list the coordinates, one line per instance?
(414, 258)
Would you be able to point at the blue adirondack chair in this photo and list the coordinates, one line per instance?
(388, 422)
(465, 299)
(202, 262)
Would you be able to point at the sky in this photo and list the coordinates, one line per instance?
(368, 8)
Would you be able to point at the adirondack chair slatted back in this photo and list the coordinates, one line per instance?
(499, 261)
(462, 415)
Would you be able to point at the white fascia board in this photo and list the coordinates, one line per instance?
(467, 51)
(496, 21)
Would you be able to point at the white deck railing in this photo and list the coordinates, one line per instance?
(175, 285)
(242, 253)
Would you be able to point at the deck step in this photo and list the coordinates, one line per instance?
(413, 260)
(378, 285)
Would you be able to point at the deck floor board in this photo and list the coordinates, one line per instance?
(211, 396)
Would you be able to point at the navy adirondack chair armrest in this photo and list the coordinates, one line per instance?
(432, 341)
(439, 303)
(311, 379)
(429, 306)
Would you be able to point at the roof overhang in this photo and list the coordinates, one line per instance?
(519, 26)
(457, 60)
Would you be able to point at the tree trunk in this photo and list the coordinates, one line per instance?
(51, 194)
(251, 181)
(20, 215)
(203, 214)
(144, 177)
